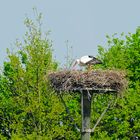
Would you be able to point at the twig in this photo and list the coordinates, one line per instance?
(89, 95)
(99, 119)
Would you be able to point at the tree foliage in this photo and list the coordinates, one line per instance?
(123, 53)
(122, 122)
(29, 109)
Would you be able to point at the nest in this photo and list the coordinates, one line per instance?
(95, 80)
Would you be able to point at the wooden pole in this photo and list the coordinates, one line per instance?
(86, 111)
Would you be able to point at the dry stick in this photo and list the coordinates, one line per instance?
(67, 110)
(99, 119)
(89, 95)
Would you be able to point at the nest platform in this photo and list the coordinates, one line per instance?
(96, 80)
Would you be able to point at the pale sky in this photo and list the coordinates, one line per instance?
(84, 23)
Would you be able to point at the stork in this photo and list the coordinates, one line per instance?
(87, 60)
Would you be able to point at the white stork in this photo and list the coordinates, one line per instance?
(86, 60)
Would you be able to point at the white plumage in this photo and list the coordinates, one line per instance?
(87, 60)
(84, 60)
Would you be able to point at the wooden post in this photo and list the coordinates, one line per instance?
(86, 111)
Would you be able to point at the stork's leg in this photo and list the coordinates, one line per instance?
(89, 68)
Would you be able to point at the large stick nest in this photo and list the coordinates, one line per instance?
(97, 79)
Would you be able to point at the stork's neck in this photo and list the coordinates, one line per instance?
(78, 61)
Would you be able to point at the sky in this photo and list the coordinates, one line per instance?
(84, 23)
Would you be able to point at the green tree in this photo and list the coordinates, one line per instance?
(123, 53)
(122, 122)
(29, 108)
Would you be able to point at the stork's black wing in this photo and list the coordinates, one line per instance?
(90, 56)
(94, 60)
